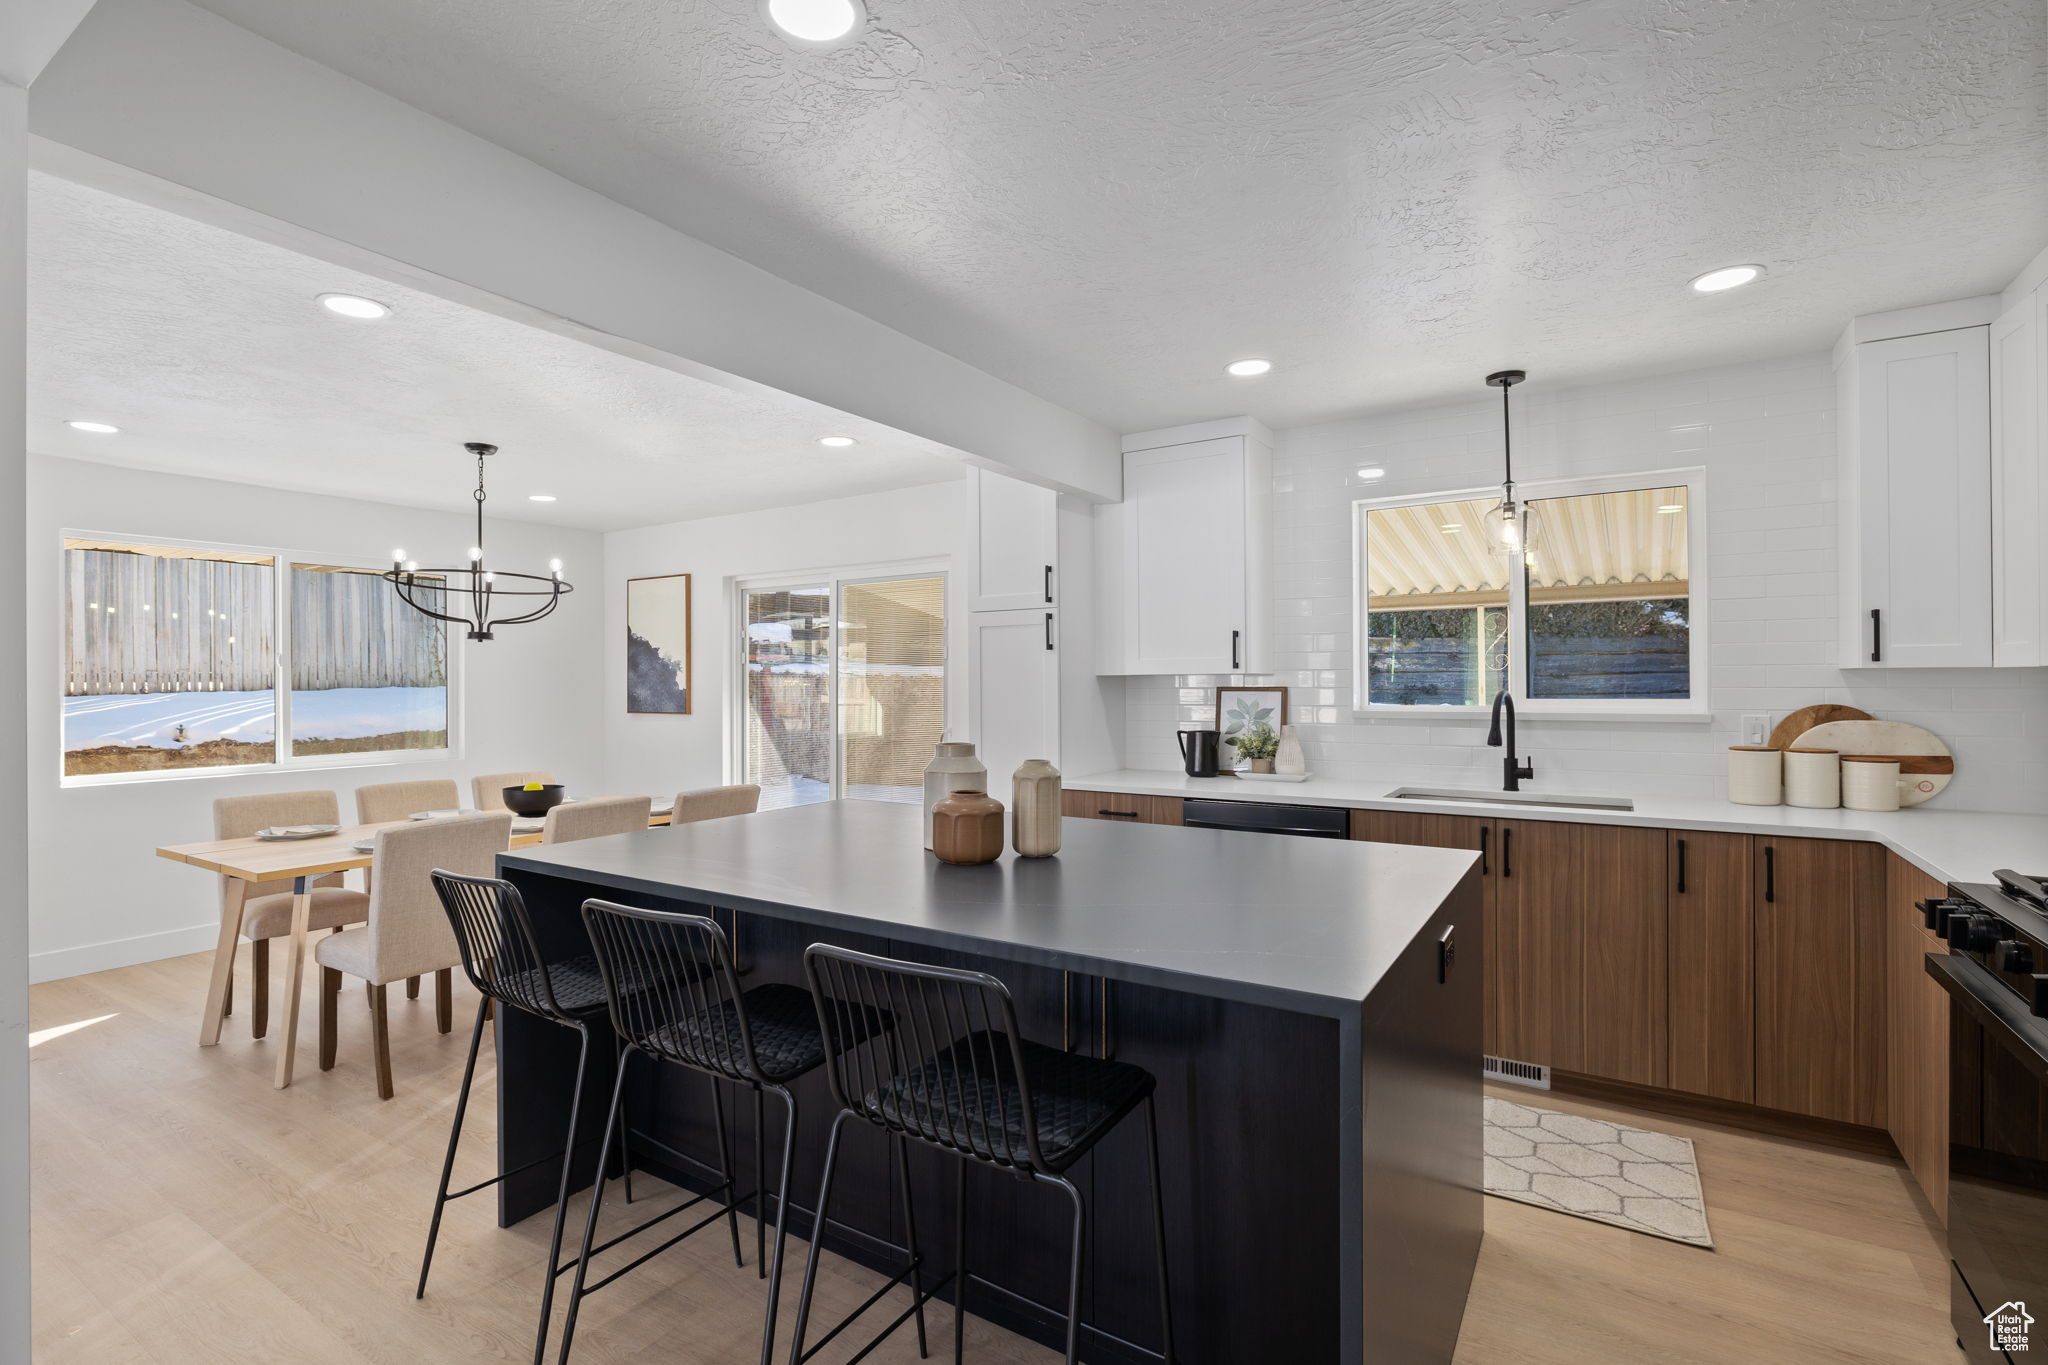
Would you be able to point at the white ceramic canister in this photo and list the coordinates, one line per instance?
(1813, 778)
(953, 768)
(1755, 776)
(1870, 783)
(1035, 809)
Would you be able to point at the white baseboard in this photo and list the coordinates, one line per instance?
(58, 963)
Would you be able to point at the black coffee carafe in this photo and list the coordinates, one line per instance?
(1199, 749)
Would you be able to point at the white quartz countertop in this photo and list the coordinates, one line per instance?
(1951, 845)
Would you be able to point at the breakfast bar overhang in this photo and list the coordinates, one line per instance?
(1310, 1008)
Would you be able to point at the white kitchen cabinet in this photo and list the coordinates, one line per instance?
(2019, 488)
(1013, 690)
(1916, 489)
(1013, 552)
(1190, 544)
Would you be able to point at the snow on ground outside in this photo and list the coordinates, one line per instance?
(336, 713)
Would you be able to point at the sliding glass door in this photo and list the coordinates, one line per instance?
(844, 687)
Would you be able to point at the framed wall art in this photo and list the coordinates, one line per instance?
(658, 645)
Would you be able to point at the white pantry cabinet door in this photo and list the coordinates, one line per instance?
(1015, 550)
(1014, 691)
(2019, 488)
(1185, 558)
(1922, 596)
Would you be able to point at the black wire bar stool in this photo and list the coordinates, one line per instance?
(502, 959)
(697, 1017)
(981, 1092)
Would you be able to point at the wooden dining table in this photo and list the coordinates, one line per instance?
(302, 862)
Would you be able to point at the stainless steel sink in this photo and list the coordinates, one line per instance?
(1510, 798)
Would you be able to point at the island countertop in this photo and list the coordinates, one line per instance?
(1310, 925)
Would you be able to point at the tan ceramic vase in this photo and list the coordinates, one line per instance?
(967, 827)
(1035, 809)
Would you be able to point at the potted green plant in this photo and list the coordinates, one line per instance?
(1257, 745)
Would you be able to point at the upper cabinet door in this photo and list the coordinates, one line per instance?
(2019, 501)
(1014, 557)
(1918, 455)
(1192, 543)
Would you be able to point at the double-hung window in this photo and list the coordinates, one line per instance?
(842, 690)
(188, 657)
(1599, 608)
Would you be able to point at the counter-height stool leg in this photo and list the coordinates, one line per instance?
(960, 1272)
(797, 1354)
(1074, 1269)
(555, 1267)
(1159, 1227)
(476, 1038)
(917, 1295)
(781, 1222)
(583, 1254)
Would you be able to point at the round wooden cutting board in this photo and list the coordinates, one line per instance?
(1925, 765)
(1786, 732)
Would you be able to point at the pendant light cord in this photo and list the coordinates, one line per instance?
(1507, 438)
(479, 495)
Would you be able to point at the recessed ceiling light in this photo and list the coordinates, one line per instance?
(1453, 526)
(815, 21)
(96, 428)
(1668, 508)
(355, 306)
(1727, 277)
(1372, 471)
(837, 442)
(540, 497)
(1246, 369)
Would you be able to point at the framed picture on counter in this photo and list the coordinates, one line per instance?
(658, 645)
(1240, 710)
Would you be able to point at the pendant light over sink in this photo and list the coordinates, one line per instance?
(1505, 524)
(484, 588)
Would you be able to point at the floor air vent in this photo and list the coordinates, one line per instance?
(1516, 1073)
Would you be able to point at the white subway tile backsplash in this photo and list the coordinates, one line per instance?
(1765, 433)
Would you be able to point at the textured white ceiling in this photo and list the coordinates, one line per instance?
(1105, 200)
(208, 350)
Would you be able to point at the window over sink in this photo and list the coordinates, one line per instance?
(1599, 609)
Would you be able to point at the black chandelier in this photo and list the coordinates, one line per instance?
(484, 587)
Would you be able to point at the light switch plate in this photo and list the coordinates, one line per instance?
(1755, 729)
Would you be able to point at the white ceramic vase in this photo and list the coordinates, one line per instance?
(1035, 809)
(953, 768)
(1288, 758)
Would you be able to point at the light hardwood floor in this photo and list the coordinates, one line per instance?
(187, 1212)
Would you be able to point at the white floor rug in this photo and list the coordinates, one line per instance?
(1630, 1177)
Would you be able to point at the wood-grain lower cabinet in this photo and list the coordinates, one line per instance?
(1451, 831)
(1581, 966)
(1136, 810)
(1917, 1035)
(1820, 979)
(1711, 964)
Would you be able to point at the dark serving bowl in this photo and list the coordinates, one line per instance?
(520, 801)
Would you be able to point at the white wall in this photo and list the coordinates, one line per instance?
(99, 896)
(668, 754)
(1764, 432)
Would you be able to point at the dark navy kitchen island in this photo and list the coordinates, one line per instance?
(1310, 1008)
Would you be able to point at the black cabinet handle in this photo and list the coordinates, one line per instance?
(1770, 874)
(1507, 852)
(1235, 636)
(1876, 636)
(1048, 630)
(1681, 867)
(1119, 814)
(1485, 868)
(1048, 583)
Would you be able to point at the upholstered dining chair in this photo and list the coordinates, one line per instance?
(266, 907)
(715, 803)
(407, 934)
(384, 801)
(597, 818)
(488, 791)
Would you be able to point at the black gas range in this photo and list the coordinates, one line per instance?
(1996, 975)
